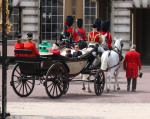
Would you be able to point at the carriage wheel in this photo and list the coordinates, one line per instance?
(23, 85)
(99, 82)
(56, 82)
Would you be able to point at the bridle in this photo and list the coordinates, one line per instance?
(119, 51)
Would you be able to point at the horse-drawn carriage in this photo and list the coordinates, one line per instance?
(54, 72)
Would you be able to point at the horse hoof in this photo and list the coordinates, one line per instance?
(83, 88)
(108, 90)
(118, 88)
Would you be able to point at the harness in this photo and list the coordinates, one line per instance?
(119, 53)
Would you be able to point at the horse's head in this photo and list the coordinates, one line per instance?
(118, 44)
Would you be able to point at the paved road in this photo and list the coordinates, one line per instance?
(75, 94)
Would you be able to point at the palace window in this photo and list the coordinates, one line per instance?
(52, 19)
(89, 14)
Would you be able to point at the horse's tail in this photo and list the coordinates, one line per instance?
(104, 62)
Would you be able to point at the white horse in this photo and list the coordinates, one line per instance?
(110, 61)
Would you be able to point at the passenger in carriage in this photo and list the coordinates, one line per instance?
(105, 25)
(95, 39)
(79, 33)
(31, 46)
(77, 52)
(68, 53)
(18, 44)
(70, 21)
(55, 48)
(65, 37)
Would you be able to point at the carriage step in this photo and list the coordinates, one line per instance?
(11, 83)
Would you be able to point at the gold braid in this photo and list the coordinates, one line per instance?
(8, 24)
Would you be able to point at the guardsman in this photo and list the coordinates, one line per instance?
(95, 39)
(65, 37)
(70, 21)
(79, 33)
(131, 64)
(29, 45)
(98, 22)
(18, 44)
(105, 25)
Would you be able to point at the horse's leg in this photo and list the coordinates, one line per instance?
(83, 84)
(116, 78)
(110, 76)
(106, 81)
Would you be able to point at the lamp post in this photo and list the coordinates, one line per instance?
(4, 61)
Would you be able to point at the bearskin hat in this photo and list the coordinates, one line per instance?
(70, 20)
(98, 22)
(94, 26)
(79, 23)
(105, 24)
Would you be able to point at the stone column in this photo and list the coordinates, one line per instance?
(68, 8)
(79, 9)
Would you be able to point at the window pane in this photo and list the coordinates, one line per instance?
(93, 11)
(48, 27)
(60, 11)
(54, 2)
(60, 19)
(60, 2)
(54, 19)
(54, 27)
(54, 10)
(87, 11)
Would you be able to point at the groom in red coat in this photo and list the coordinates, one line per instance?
(131, 64)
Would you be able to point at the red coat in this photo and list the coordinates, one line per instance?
(19, 45)
(95, 37)
(131, 64)
(31, 46)
(71, 30)
(76, 36)
(109, 38)
(55, 51)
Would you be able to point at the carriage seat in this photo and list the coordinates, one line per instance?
(28, 65)
(23, 52)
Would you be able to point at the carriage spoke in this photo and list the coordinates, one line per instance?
(18, 85)
(16, 76)
(18, 72)
(54, 89)
(20, 88)
(29, 82)
(49, 85)
(23, 88)
(51, 88)
(28, 85)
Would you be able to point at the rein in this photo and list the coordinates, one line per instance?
(119, 52)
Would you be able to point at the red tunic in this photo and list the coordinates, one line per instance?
(55, 51)
(71, 30)
(131, 64)
(95, 37)
(76, 36)
(31, 46)
(19, 45)
(109, 38)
